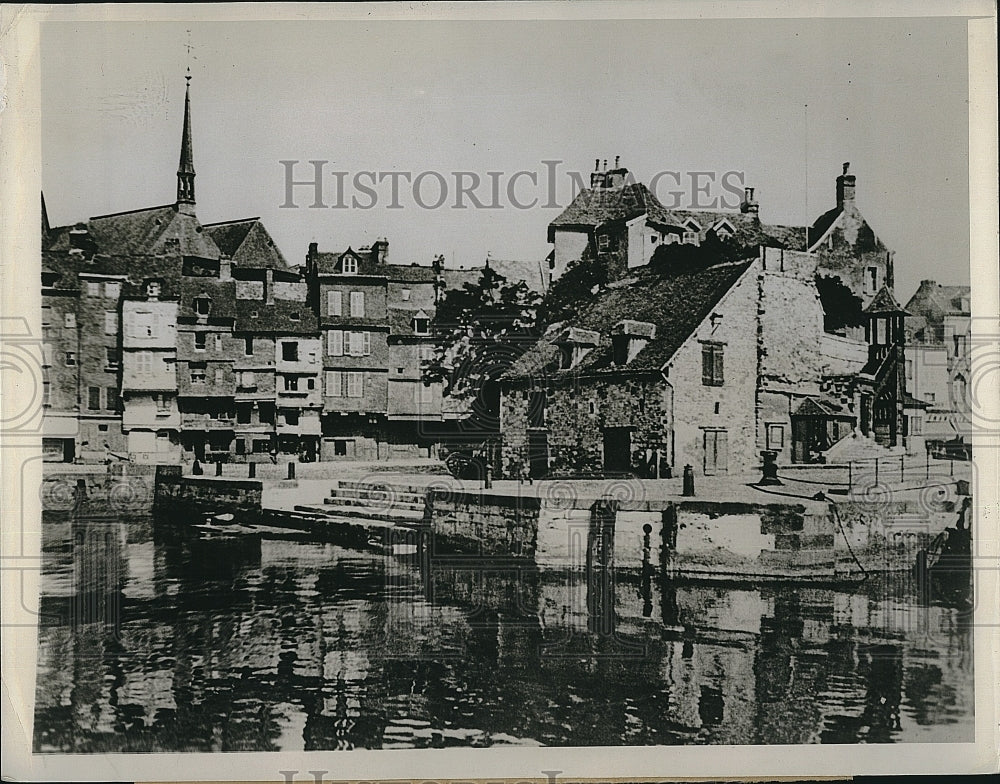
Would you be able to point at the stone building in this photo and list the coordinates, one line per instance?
(938, 335)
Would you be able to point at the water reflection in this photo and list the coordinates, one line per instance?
(155, 642)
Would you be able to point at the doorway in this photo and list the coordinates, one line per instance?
(617, 449)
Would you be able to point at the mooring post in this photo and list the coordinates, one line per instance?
(218, 468)
(291, 469)
(902, 467)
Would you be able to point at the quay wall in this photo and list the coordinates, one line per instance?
(121, 488)
(181, 495)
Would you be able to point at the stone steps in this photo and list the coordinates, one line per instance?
(353, 507)
(332, 515)
(383, 495)
(379, 504)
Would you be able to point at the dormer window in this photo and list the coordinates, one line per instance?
(153, 289)
(603, 242)
(574, 344)
(349, 265)
(692, 225)
(628, 338)
(202, 305)
(724, 229)
(690, 238)
(421, 323)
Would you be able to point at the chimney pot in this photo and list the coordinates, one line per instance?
(617, 158)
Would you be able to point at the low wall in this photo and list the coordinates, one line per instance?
(120, 488)
(179, 495)
(496, 525)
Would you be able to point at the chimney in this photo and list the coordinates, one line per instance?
(749, 205)
(269, 286)
(617, 158)
(596, 177)
(380, 250)
(225, 268)
(845, 188)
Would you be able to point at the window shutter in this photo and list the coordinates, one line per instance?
(706, 365)
(358, 304)
(355, 385)
(722, 451)
(336, 339)
(717, 355)
(334, 383)
(367, 348)
(334, 303)
(356, 344)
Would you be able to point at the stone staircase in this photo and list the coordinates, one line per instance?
(372, 503)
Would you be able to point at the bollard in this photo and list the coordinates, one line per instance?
(488, 477)
(769, 468)
(876, 470)
(218, 468)
(901, 467)
(688, 481)
(197, 469)
(252, 470)
(291, 470)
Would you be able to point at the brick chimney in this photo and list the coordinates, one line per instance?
(845, 188)
(380, 250)
(749, 204)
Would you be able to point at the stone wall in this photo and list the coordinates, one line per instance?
(469, 522)
(183, 495)
(121, 488)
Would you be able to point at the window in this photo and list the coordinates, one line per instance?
(112, 289)
(113, 358)
(603, 242)
(717, 409)
(144, 363)
(111, 399)
(142, 324)
(357, 304)
(340, 447)
(335, 341)
(310, 383)
(711, 364)
(153, 289)
(69, 320)
(350, 265)
(218, 343)
(775, 437)
(355, 384)
(690, 238)
(248, 380)
(405, 294)
(93, 288)
(198, 373)
(293, 316)
(959, 341)
(248, 346)
(70, 358)
(871, 280)
(243, 412)
(290, 351)
(652, 239)
(261, 446)
(930, 397)
(110, 322)
(94, 398)
(334, 383)
(266, 413)
(359, 344)
(335, 303)
(200, 341)
(291, 417)
(291, 383)
(916, 425)
(202, 305)
(162, 404)
(422, 326)
(220, 376)
(241, 446)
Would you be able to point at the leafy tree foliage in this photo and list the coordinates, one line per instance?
(480, 330)
(841, 308)
(575, 287)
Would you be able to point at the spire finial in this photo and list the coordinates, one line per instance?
(185, 170)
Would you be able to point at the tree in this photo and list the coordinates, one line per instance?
(572, 289)
(841, 307)
(480, 330)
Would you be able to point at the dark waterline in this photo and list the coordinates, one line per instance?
(153, 642)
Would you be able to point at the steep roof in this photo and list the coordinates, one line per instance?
(884, 302)
(747, 227)
(247, 243)
(414, 273)
(327, 263)
(148, 232)
(595, 207)
(932, 300)
(822, 224)
(651, 296)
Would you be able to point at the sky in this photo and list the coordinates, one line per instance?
(783, 102)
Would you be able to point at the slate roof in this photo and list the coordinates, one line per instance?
(414, 273)
(329, 263)
(146, 231)
(676, 303)
(749, 231)
(401, 322)
(595, 207)
(820, 407)
(247, 243)
(884, 302)
(822, 224)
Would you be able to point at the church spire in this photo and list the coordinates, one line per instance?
(185, 170)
